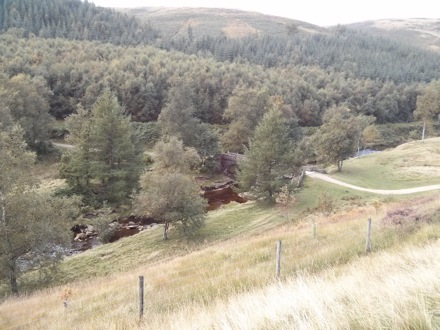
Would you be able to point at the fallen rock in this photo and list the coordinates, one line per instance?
(80, 237)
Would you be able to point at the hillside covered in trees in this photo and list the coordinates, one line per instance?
(310, 71)
(71, 19)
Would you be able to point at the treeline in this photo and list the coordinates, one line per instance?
(341, 49)
(72, 19)
(354, 53)
(76, 72)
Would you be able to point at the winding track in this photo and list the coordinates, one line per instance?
(407, 191)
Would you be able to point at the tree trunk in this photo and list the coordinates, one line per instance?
(13, 277)
(423, 131)
(3, 208)
(165, 230)
(340, 165)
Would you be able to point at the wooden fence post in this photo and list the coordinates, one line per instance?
(368, 240)
(141, 297)
(278, 262)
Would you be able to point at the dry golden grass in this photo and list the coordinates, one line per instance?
(392, 290)
(422, 32)
(231, 284)
(238, 29)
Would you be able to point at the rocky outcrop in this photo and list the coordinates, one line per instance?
(228, 163)
(83, 232)
(85, 236)
(219, 185)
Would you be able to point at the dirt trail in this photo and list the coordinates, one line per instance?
(374, 191)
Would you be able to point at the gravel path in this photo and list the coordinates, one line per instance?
(374, 191)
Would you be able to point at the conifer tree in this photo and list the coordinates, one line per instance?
(105, 162)
(178, 119)
(268, 157)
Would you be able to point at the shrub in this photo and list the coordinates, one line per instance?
(326, 204)
(405, 220)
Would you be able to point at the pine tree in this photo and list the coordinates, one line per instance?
(105, 162)
(117, 162)
(76, 165)
(268, 157)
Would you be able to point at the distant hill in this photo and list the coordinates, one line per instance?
(423, 32)
(215, 22)
(271, 41)
(179, 22)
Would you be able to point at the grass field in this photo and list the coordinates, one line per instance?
(224, 277)
(409, 165)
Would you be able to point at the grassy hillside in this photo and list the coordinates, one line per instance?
(174, 22)
(406, 166)
(225, 275)
(371, 293)
(424, 32)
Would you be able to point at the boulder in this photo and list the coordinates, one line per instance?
(80, 237)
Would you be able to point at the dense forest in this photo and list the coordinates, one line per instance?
(311, 72)
(141, 76)
(341, 49)
(72, 19)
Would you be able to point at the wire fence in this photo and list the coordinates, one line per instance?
(234, 272)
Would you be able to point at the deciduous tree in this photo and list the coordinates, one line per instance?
(245, 109)
(336, 139)
(168, 193)
(428, 104)
(171, 198)
(27, 100)
(171, 156)
(34, 225)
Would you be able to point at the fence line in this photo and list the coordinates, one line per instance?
(234, 269)
(61, 310)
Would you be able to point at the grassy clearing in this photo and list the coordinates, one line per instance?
(409, 165)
